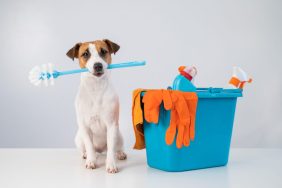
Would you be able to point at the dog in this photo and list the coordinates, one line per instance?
(97, 105)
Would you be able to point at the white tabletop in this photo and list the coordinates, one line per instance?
(64, 168)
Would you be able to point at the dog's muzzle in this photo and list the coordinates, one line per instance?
(98, 69)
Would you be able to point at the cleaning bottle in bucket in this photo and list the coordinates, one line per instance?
(238, 79)
(185, 80)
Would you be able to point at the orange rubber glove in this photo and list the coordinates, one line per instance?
(183, 111)
(179, 119)
(191, 100)
(152, 101)
(182, 118)
(171, 130)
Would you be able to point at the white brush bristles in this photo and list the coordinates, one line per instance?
(39, 75)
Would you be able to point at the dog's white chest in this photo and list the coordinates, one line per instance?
(96, 104)
(95, 107)
(96, 125)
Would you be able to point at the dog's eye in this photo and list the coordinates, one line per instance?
(103, 52)
(85, 55)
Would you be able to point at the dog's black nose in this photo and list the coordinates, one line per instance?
(98, 67)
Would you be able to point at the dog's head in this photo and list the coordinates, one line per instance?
(95, 56)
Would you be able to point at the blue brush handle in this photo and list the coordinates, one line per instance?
(127, 64)
(111, 66)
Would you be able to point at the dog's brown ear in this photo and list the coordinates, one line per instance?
(73, 52)
(113, 47)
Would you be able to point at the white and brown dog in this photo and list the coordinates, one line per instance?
(97, 105)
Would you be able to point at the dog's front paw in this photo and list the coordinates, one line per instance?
(121, 155)
(90, 164)
(111, 167)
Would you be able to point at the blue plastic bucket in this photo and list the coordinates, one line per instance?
(213, 128)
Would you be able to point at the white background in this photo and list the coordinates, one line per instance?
(212, 35)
